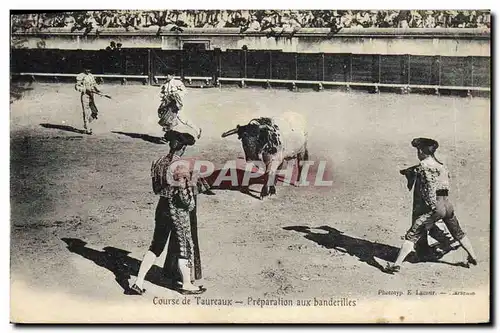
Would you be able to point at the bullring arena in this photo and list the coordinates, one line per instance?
(68, 187)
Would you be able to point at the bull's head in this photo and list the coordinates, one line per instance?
(252, 139)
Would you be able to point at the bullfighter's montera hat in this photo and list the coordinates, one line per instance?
(178, 140)
(428, 146)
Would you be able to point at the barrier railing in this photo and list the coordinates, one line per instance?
(405, 72)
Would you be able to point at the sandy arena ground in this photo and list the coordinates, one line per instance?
(67, 187)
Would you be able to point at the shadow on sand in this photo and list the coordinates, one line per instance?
(118, 262)
(145, 137)
(63, 128)
(364, 250)
(17, 91)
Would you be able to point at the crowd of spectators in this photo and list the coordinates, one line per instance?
(251, 20)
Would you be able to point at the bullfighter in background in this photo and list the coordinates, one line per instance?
(87, 86)
(172, 96)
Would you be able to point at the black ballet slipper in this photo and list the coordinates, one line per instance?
(135, 288)
(471, 261)
(391, 269)
(209, 192)
(199, 291)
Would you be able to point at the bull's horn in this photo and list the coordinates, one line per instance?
(265, 126)
(231, 132)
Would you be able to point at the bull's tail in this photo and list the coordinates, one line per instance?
(305, 156)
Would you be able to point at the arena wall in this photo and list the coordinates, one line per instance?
(457, 59)
(426, 42)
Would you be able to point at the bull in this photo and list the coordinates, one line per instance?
(273, 141)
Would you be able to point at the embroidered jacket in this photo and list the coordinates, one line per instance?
(85, 83)
(162, 176)
(173, 91)
(181, 201)
(433, 176)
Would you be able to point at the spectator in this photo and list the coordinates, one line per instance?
(480, 22)
(170, 22)
(335, 22)
(429, 20)
(239, 19)
(267, 24)
(326, 16)
(345, 20)
(452, 18)
(79, 22)
(307, 19)
(212, 19)
(403, 19)
(487, 20)
(391, 19)
(253, 25)
(469, 22)
(364, 19)
(294, 22)
(440, 20)
(135, 20)
(151, 19)
(416, 19)
(269, 21)
(222, 19)
(231, 16)
(289, 25)
(182, 19)
(90, 23)
(198, 18)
